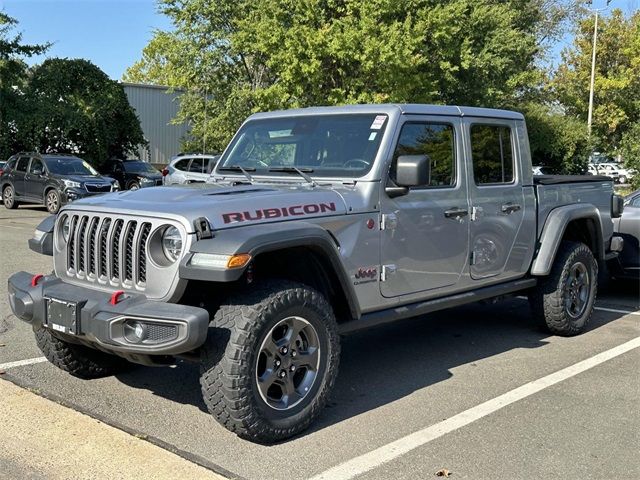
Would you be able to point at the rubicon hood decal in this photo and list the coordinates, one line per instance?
(292, 211)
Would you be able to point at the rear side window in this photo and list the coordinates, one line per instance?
(492, 155)
(23, 163)
(197, 165)
(436, 141)
(182, 164)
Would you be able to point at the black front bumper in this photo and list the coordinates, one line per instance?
(170, 329)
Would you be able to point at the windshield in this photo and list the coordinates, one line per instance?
(139, 167)
(324, 145)
(69, 166)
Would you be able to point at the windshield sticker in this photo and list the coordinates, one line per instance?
(279, 133)
(372, 137)
(378, 122)
(267, 213)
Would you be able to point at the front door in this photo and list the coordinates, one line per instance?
(35, 179)
(497, 198)
(424, 244)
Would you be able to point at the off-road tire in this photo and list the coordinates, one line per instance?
(228, 360)
(10, 192)
(79, 361)
(52, 201)
(548, 299)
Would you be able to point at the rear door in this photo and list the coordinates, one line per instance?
(18, 175)
(197, 170)
(497, 199)
(177, 171)
(424, 243)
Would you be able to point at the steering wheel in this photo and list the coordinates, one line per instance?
(356, 163)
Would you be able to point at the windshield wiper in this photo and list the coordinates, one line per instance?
(238, 168)
(300, 171)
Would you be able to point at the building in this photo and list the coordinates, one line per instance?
(156, 107)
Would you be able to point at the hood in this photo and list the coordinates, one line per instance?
(153, 176)
(224, 207)
(85, 178)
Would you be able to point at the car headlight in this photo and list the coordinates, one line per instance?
(115, 186)
(71, 184)
(171, 243)
(66, 228)
(146, 180)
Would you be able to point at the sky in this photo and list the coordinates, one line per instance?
(112, 33)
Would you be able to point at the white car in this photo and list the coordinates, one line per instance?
(624, 174)
(607, 169)
(189, 168)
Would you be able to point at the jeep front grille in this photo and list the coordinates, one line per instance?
(102, 248)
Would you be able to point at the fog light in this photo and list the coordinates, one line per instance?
(135, 332)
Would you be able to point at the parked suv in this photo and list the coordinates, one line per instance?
(50, 179)
(316, 222)
(133, 174)
(189, 168)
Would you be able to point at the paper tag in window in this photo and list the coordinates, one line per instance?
(378, 122)
(372, 137)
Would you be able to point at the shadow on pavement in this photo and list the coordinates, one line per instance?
(387, 363)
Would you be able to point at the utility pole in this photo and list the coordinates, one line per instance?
(593, 65)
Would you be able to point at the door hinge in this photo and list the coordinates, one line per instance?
(388, 221)
(387, 271)
(475, 213)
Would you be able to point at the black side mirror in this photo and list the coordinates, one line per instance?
(38, 171)
(411, 171)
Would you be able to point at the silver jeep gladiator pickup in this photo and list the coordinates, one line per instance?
(315, 223)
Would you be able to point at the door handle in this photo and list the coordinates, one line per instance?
(510, 208)
(456, 212)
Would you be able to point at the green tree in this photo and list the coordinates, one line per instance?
(617, 81)
(235, 57)
(630, 150)
(75, 108)
(13, 75)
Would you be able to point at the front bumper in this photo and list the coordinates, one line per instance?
(168, 328)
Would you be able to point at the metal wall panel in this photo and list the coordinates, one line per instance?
(156, 107)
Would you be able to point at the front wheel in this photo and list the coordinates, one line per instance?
(564, 300)
(270, 361)
(9, 197)
(134, 186)
(78, 360)
(52, 201)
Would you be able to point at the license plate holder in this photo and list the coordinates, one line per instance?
(63, 315)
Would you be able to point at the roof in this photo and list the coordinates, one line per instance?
(404, 109)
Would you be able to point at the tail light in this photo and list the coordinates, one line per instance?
(165, 172)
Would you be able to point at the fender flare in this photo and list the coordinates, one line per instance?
(42, 243)
(554, 229)
(264, 238)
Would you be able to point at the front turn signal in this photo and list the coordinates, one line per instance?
(239, 260)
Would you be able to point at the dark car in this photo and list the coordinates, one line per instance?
(627, 264)
(51, 179)
(133, 174)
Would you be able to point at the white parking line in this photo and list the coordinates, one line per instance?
(20, 363)
(602, 309)
(375, 458)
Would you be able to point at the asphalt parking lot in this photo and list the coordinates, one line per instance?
(480, 391)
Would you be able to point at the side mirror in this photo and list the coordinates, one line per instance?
(38, 171)
(413, 170)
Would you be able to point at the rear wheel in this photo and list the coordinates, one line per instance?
(52, 201)
(78, 360)
(9, 197)
(564, 300)
(270, 361)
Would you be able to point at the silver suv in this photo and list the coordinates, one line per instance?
(189, 168)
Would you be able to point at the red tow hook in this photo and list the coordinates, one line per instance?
(35, 279)
(115, 297)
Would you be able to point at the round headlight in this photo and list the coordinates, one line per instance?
(171, 243)
(66, 227)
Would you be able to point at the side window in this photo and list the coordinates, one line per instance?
(182, 164)
(36, 167)
(436, 141)
(492, 155)
(197, 165)
(635, 202)
(23, 163)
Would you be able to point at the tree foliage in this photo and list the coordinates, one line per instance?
(617, 81)
(630, 150)
(12, 79)
(75, 108)
(235, 57)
